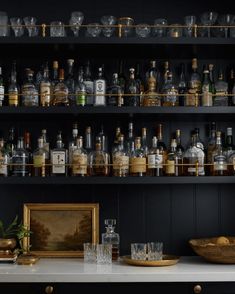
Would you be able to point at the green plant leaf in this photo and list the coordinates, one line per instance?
(12, 225)
(2, 233)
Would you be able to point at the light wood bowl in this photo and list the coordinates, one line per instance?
(213, 252)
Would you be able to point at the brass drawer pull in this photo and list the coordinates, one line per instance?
(49, 290)
(197, 289)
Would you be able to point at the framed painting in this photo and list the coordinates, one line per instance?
(60, 229)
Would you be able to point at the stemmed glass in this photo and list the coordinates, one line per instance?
(76, 21)
(16, 24)
(226, 19)
(209, 19)
(108, 21)
(190, 21)
(30, 23)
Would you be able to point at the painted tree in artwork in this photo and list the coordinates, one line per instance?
(40, 235)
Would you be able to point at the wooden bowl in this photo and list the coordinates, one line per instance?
(212, 251)
(7, 244)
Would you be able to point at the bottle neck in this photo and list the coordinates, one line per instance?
(110, 229)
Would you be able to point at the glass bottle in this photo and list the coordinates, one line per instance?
(170, 92)
(111, 237)
(46, 144)
(221, 88)
(120, 159)
(61, 91)
(152, 72)
(13, 91)
(199, 142)
(160, 143)
(4, 160)
(2, 88)
(231, 84)
(121, 77)
(103, 139)
(59, 158)
(151, 97)
(88, 140)
(39, 77)
(229, 146)
(11, 142)
(116, 139)
(139, 81)
(144, 143)
(206, 99)
(211, 144)
(133, 91)
(70, 82)
(219, 167)
(27, 147)
(79, 159)
(182, 87)
(170, 159)
(155, 159)
(179, 169)
(138, 160)
(80, 89)
(29, 91)
(46, 87)
(98, 161)
(165, 72)
(73, 143)
(40, 167)
(114, 92)
(20, 160)
(194, 86)
(211, 74)
(100, 89)
(130, 138)
(89, 85)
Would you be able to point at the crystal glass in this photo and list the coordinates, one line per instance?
(142, 30)
(16, 24)
(159, 31)
(104, 253)
(57, 29)
(175, 30)
(93, 30)
(89, 252)
(226, 19)
(76, 20)
(127, 23)
(190, 21)
(138, 251)
(155, 250)
(3, 24)
(108, 21)
(30, 23)
(209, 19)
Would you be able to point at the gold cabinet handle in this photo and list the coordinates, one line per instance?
(49, 290)
(197, 289)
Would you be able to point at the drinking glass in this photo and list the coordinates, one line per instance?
(127, 23)
(209, 19)
(138, 251)
(104, 253)
(175, 30)
(93, 30)
(226, 19)
(142, 30)
(16, 24)
(3, 24)
(190, 21)
(159, 30)
(30, 23)
(155, 250)
(108, 21)
(57, 29)
(89, 252)
(76, 20)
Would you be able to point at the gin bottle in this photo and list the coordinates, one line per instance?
(4, 160)
(111, 237)
(221, 88)
(100, 89)
(20, 159)
(59, 158)
(61, 91)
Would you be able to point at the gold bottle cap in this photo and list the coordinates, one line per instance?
(178, 133)
(194, 63)
(55, 64)
(144, 132)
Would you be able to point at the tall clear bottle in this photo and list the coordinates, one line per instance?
(2, 88)
(221, 88)
(4, 160)
(130, 138)
(73, 142)
(120, 159)
(161, 145)
(29, 91)
(46, 87)
(80, 89)
(88, 140)
(111, 237)
(194, 86)
(133, 91)
(40, 161)
(182, 86)
(79, 159)
(211, 145)
(155, 159)
(59, 158)
(138, 160)
(100, 89)
(229, 151)
(219, 167)
(70, 82)
(179, 169)
(20, 160)
(89, 85)
(13, 89)
(207, 99)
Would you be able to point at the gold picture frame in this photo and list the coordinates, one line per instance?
(60, 229)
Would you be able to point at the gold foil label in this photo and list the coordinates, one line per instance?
(121, 162)
(79, 164)
(45, 94)
(138, 165)
(13, 98)
(170, 167)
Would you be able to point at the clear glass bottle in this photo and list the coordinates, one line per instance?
(4, 159)
(29, 91)
(79, 159)
(219, 167)
(151, 97)
(100, 89)
(211, 145)
(2, 88)
(88, 140)
(89, 85)
(73, 143)
(40, 160)
(170, 159)
(59, 158)
(70, 82)
(166, 69)
(179, 169)
(115, 97)
(120, 158)
(199, 142)
(138, 160)
(116, 139)
(182, 86)
(80, 89)
(13, 90)
(11, 142)
(61, 91)
(102, 136)
(55, 76)
(144, 143)
(155, 159)
(20, 160)
(207, 99)
(130, 138)
(229, 151)
(152, 72)
(133, 91)
(160, 144)
(111, 237)
(212, 79)
(194, 86)
(170, 92)
(221, 88)
(46, 144)
(45, 88)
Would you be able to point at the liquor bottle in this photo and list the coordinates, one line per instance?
(69, 81)
(219, 167)
(152, 72)
(79, 159)
(46, 87)
(170, 159)
(20, 160)
(55, 76)
(133, 91)
(151, 97)
(103, 139)
(229, 147)
(4, 159)
(211, 144)
(98, 161)
(144, 141)
(40, 167)
(211, 74)
(130, 138)
(114, 92)
(139, 81)
(61, 91)
(155, 160)
(80, 89)
(138, 160)
(11, 142)
(221, 88)
(166, 70)
(121, 77)
(46, 144)
(2, 88)
(89, 85)
(100, 89)
(88, 140)
(111, 237)
(73, 143)
(120, 158)
(199, 142)
(116, 139)
(13, 91)
(179, 169)
(207, 99)
(39, 77)
(182, 86)
(160, 143)
(27, 147)
(170, 92)
(194, 159)
(29, 91)
(194, 86)
(59, 158)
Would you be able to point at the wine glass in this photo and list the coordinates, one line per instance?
(108, 21)
(226, 19)
(76, 21)
(30, 23)
(16, 25)
(209, 19)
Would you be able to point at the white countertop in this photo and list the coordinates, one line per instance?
(189, 269)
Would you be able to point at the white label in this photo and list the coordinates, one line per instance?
(45, 93)
(155, 160)
(58, 162)
(100, 88)
(2, 91)
(3, 166)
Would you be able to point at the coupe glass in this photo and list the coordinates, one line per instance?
(57, 29)
(190, 21)
(76, 21)
(226, 19)
(159, 30)
(209, 19)
(142, 30)
(30, 23)
(108, 21)
(16, 24)
(3, 24)
(93, 30)
(127, 24)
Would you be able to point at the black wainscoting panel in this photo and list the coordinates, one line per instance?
(227, 200)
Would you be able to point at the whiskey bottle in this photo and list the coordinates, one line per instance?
(88, 140)
(4, 159)
(151, 97)
(59, 158)
(46, 144)
(138, 160)
(182, 87)
(120, 159)
(110, 237)
(155, 160)
(144, 143)
(46, 87)
(171, 159)
(61, 92)
(89, 85)
(13, 91)
(211, 74)
(79, 159)
(20, 160)
(80, 89)
(152, 72)
(100, 89)
(55, 76)
(179, 169)
(160, 143)
(133, 91)
(2, 88)
(73, 143)
(221, 88)
(194, 86)
(219, 167)
(40, 163)
(207, 99)
(29, 91)
(115, 97)
(170, 92)
(69, 81)
(130, 138)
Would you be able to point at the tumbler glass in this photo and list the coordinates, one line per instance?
(159, 30)
(93, 30)
(76, 20)
(89, 252)
(138, 251)
(127, 23)
(104, 253)
(57, 29)
(108, 21)
(16, 24)
(155, 250)
(3, 24)
(142, 30)
(30, 23)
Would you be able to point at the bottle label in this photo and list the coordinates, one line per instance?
(13, 98)
(58, 162)
(172, 98)
(121, 162)
(170, 167)
(193, 169)
(39, 160)
(90, 90)
(45, 94)
(2, 92)
(3, 165)
(81, 99)
(220, 163)
(206, 96)
(138, 165)
(100, 90)
(155, 160)
(79, 164)
(29, 96)
(192, 99)
(19, 167)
